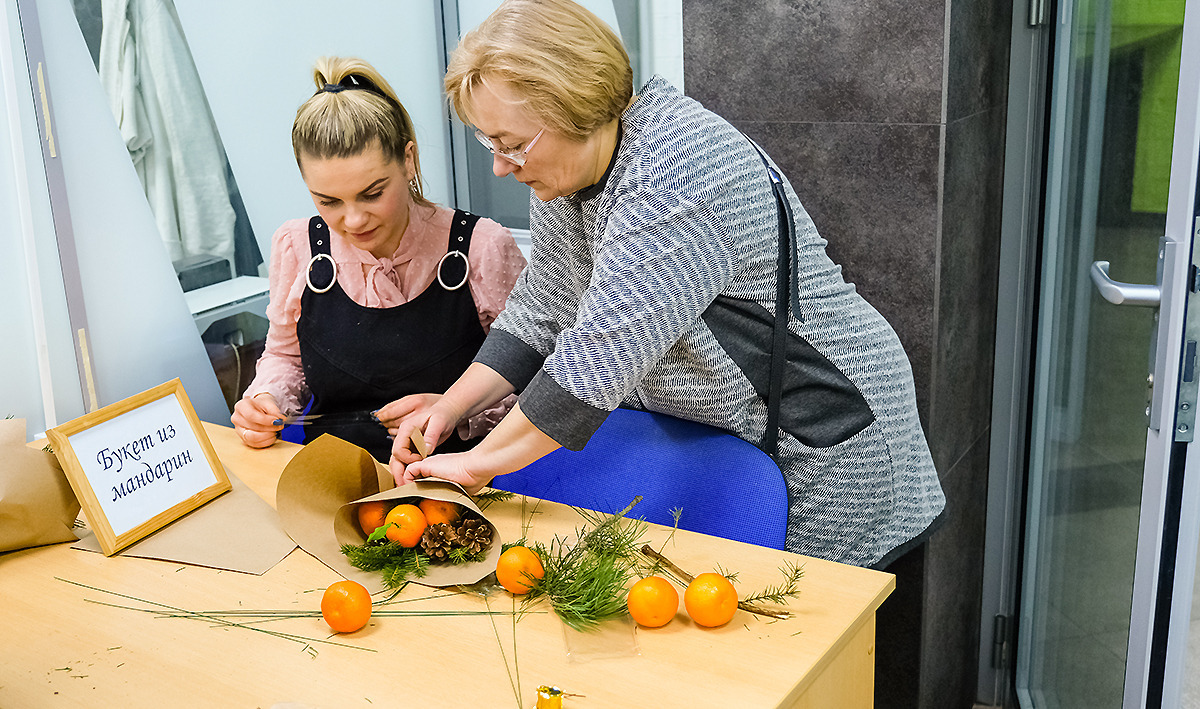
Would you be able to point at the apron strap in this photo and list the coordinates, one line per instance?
(321, 270)
(454, 268)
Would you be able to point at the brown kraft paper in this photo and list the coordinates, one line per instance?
(318, 495)
(37, 505)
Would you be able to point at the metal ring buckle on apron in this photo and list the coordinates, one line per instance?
(466, 269)
(308, 273)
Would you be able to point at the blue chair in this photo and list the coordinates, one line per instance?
(725, 486)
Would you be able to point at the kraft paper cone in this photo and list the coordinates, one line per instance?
(317, 499)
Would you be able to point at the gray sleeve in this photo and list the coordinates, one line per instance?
(512, 358)
(558, 414)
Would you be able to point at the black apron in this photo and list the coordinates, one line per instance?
(357, 358)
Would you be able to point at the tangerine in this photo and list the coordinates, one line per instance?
(711, 600)
(652, 602)
(518, 569)
(408, 524)
(371, 515)
(346, 606)
(440, 511)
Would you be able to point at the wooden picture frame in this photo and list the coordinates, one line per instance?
(139, 464)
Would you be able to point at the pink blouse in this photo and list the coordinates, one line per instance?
(495, 263)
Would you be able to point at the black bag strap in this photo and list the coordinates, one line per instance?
(783, 283)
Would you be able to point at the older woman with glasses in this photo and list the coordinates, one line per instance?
(652, 284)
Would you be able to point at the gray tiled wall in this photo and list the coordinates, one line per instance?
(888, 118)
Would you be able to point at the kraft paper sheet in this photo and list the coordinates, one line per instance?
(237, 531)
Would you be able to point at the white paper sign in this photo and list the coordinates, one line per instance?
(143, 462)
(139, 464)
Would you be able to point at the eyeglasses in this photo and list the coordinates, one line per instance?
(514, 156)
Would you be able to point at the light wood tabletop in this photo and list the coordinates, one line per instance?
(61, 649)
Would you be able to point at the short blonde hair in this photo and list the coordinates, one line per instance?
(566, 66)
(361, 112)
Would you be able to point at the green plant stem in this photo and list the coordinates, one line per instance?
(197, 616)
(496, 631)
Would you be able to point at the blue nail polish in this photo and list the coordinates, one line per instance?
(277, 422)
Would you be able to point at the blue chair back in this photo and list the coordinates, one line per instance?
(725, 486)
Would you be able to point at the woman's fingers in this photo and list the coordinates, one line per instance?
(257, 439)
(436, 431)
(259, 413)
(405, 456)
(257, 420)
(449, 466)
(393, 412)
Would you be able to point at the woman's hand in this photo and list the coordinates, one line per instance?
(513, 444)
(448, 466)
(393, 414)
(430, 416)
(257, 420)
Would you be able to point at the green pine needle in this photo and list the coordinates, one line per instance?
(462, 555)
(396, 563)
(585, 582)
(789, 588)
(487, 497)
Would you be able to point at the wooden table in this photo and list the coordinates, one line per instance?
(60, 650)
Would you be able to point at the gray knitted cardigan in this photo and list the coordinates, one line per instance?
(655, 289)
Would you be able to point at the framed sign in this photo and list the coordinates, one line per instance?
(139, 464)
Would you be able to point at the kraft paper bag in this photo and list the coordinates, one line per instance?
(37, 505)
(318, 495)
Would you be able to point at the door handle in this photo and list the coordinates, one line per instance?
(1119, 293)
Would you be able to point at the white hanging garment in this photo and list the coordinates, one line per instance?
(158, 101)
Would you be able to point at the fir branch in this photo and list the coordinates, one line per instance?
(788, 588)
(463, 555)
(527, 519)
(585, 582)
(586, 590)
(487, 497)
(373, 557)
(395, 562)
(684, 578)
(731, 575)
(396, 575)
(676, 513)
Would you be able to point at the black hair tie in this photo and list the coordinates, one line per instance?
(354, 81)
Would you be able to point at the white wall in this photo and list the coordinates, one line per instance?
(140, 330)
(255, 60)
(27, 352)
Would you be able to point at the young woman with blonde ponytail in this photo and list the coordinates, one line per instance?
(383, 293)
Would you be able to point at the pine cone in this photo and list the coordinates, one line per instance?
(474, 534)
(438, 540)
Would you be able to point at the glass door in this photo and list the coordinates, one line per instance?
(1120, 197)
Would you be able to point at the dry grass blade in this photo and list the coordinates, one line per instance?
(184, 613)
